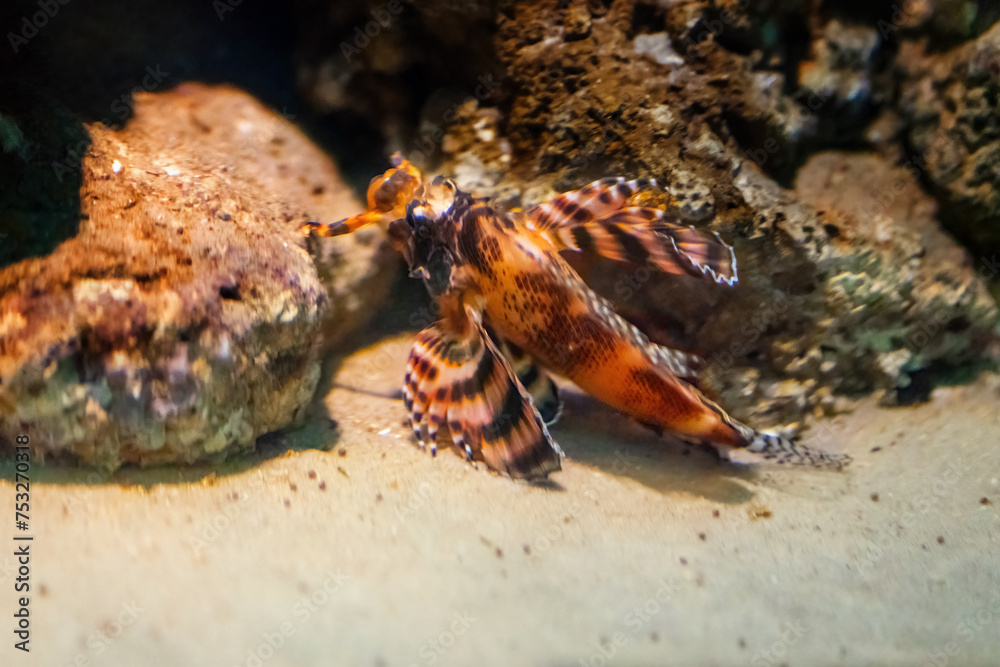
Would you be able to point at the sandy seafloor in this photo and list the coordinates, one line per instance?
(639, 553)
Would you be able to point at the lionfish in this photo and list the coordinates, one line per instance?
(512, 310)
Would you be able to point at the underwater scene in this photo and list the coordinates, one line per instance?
(557, 333)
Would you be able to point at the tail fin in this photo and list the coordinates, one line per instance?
(782, 450)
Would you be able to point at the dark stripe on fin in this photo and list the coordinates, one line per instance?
(490, 414)
(632, 248)
(645, 236)
(535, 379)
(590, 202)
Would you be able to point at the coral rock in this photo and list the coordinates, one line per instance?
(951, 102)
(185, 318)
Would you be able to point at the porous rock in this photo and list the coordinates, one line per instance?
(847, 282)
(185, 318)
(951, 102)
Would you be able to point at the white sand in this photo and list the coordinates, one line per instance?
(410, 560)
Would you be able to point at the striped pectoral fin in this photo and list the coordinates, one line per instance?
(534, 378)
(645, 236)
(467, 385)
(591, 202)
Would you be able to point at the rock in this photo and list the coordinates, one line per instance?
(847, 286)
(841, 65)
(476, 149)
(370, 60)
(847, 283)
(949, 101)
(945, 21)
(904, 295)
(185, 318)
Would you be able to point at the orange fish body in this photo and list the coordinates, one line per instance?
(513, 308)
(534, 299)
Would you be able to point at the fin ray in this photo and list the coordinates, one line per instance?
(590, 202)
(468, 385)
(783, 450)
(645, 236)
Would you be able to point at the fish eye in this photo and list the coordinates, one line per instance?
(418, 220)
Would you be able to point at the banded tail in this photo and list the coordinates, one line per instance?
(388, 195)
(782, 450)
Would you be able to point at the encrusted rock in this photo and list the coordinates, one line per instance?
(841, 64)
(847, 283)
(951, 102)
(905, 296)
(690, 197)
(185, 318)
(476, 149)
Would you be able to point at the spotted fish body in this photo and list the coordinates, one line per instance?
(503, 284)
(535, 299)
